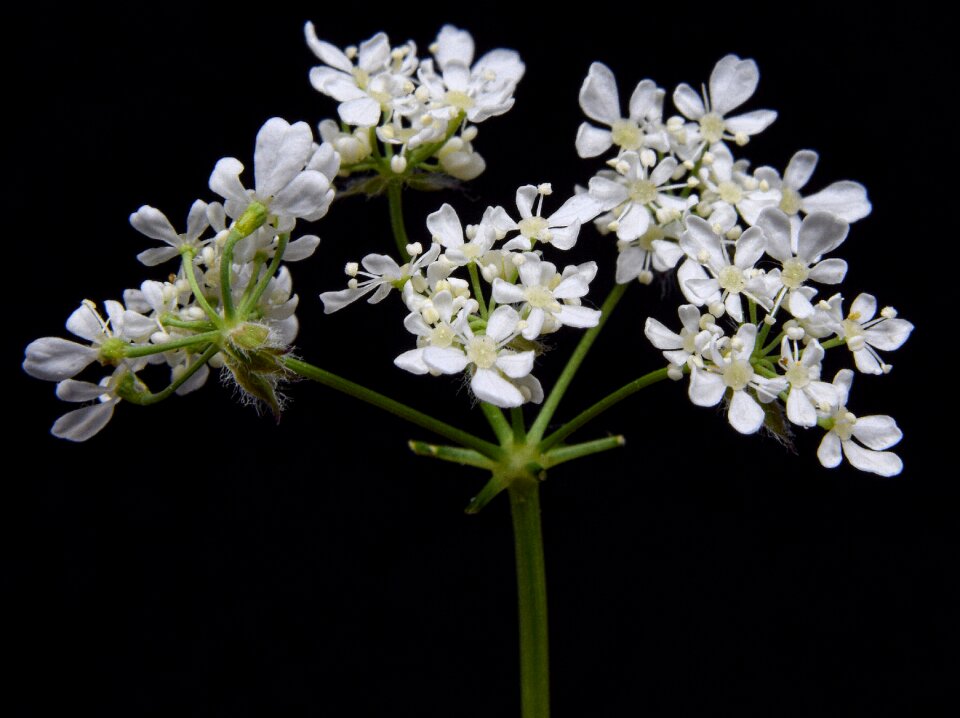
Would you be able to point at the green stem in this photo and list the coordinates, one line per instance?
(146, 399)
(426, 152)
(570, 370)
(148, 349)
(753, 311)
(168, 320)
(226, 271)
(477, 288)
(321, 376)
(773, 344)
(497, 422)
(532, 593)
(601, 406)
(395, 199)
(454, 454)
(835, 342)
(563, 454)
(249, 302)
(188, 269)
(519, 427)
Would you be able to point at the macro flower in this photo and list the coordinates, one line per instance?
(154, 224)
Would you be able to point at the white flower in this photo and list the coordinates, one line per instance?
(56, 359)
(382, 273)
(154, 223)
(818, 234)
(694, 336)
(440, 332)
(846, 199)
(730, 278)
(600, 101)
(637, 195)
(731, 369)
(446, 230)
(459, 160)
(541, 291)
(498, 373)
(725, 183)
(807, 393)
(285, 179)
(864, 334)
(732, 82)
(351, 146)
(559, 229)
(364, 90)
(875, 433)
(81, 424)
(480, 92)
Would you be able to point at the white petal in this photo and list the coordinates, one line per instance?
(630, 263)
(487, 385)
(78, 391)
(864, 306)
(889, 334)
(663, 171)
(745, 414)
(502, 323)
(225, 180)
(454, 44)
(607, 192)
(800, 409)
(534, 323)
(750, 247)
(592, 141)
(282, 150)
(800, 169)
(877, 432)
(506, 293)
(412, 361)
(751, 123)
(154, 223)
(829, 450)
(360, 112)
(56, 359)
(646, 100)
(829, 271)
(445, 360)
(515, 364)
(565, 237)
(335, 301)
(660, 336)
(374, 52)
(689, 102)
(599, 98)
(688, 272)
(157, 255)
(525, 198)
(634, 222)
(776, 228)
(195, 382)
(848, 200)
(866, 362)
(578, 209)
(577, 316)
(325, 51)
(883, 463)
(382, 265)
(445, 227)
(706, 388)
(798, 305)
(304, 197)
(820, 233)
(843, 381)
(732, 82)
(81, 424)
(301, 248)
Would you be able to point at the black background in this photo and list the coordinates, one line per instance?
(196, 559)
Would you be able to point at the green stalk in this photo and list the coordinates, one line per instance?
(477, 288)
(601, 406)
(454, 454)
(186, 261)
(321, 376)
(146, 399)
(497, 422)
(395, 199)
(148, 349)
(573, 364)
(226, 270)
(249, 302)
(532, 594)
(562, 454)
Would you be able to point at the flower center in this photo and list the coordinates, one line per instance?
(361, 77)
(643, 191)
(737, 374)
(626, 135)
(482, 351)
(645, 241)
(461, 100)
(798, 375)
(854, 334)
(843, 424)
(731, 279)
(711, 127)
(532, 227)
(790, 200)
(540, 297)
(730, 192)
(794, 273)
(441, 336)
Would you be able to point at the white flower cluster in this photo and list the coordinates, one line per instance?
(420, 110)
(750, 246)
(487, 323)
(188, 322)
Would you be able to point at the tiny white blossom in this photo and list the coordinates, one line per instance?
(873, 434)
(560, 229)
(687, 346)
(154, 224)
(807, 393)
(382, 274)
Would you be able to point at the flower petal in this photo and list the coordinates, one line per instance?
(282, 150)
(446, 360)
(877, 432)
(487, 385)
(800, 169)
(81, 424)
(848, 200)
(883, 463)
(732, 82)
(445, 227)
(706, 388)
(599, 98)
(516, 364)
(829, 450)
(689, 102)
(745, 414)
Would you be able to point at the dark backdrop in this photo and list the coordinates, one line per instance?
(196, 559)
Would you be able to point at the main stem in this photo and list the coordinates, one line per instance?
(394, 198)
(532, 593)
